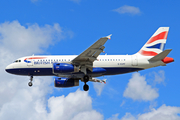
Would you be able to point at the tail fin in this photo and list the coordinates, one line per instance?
(156, 43)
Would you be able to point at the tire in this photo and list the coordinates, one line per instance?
(30, 84)
(86, 87)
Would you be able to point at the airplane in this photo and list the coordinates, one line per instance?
(70, 69)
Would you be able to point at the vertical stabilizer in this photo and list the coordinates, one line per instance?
(156, 43)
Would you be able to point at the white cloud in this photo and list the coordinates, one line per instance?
(123, 102)
(19, 101)
(128, 9)
(98, 87)
(24, 102)
(153, 104)
(127, 116)
(32, 39)
(114, 117)
(75, 106)
(162, 113)
(17, 41)
(159, 77)
(88, 115)
(138, 89)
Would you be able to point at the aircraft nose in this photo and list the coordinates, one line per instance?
(7, 69)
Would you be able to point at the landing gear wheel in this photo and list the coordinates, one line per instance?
(86, 87)
(30, 84)
(31, 79)
(86, 78)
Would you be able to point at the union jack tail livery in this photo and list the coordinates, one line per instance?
(156, 43)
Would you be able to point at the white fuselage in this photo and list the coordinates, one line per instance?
(113, 64)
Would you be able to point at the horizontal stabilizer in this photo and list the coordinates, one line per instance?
(161, 55)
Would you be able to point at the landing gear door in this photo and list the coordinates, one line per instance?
(134, 60)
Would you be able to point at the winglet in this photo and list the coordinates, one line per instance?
(109, 36)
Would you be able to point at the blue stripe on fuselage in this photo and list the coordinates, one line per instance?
(48, 71)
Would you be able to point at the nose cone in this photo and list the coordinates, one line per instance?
(8, 68)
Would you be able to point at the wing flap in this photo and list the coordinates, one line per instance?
(96, 54)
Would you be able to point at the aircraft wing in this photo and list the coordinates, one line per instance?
(87, 57)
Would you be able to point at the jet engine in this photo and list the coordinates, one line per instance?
(65, 82)
(64, 68)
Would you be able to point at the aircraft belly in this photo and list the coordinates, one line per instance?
(121, 70)
(31, 71)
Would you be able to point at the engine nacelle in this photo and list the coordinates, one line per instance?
(65, 82)
(64, 68)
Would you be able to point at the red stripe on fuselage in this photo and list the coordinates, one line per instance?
(162, 35)
(35, 58)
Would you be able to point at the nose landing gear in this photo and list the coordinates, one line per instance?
(30, 83)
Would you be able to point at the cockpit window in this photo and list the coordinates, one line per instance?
(17, 61)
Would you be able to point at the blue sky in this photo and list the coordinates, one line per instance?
(68, 27)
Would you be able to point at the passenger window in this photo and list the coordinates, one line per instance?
(19, 60)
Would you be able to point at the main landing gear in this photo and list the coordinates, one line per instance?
(30, 83)
(86, 79)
